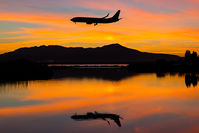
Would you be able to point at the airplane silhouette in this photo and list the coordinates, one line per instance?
(96, 115)
(95, 21)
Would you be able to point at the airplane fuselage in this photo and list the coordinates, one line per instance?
(95, 21)
(90, 20)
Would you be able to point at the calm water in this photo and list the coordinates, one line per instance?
(147, 103)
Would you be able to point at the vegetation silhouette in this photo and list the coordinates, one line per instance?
(93, 116)
(95, 21)
(22, 70)
(190, 64)
(191, 58)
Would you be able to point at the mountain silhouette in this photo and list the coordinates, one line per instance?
(113, 53)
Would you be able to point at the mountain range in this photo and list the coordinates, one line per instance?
(113, 53)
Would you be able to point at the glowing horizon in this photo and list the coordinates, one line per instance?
(162, 26)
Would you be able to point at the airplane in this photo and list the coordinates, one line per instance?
(96, 115)
(95, 21)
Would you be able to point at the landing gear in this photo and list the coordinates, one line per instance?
(95, 24)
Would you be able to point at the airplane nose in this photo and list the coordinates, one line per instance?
(73, 20)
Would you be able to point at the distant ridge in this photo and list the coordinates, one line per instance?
(113, 53)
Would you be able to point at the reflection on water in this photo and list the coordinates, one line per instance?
(10, 86)
(89, 65)
(112, 74)
(147, 102)
(93, 116)
(191, 79)
(14, 84)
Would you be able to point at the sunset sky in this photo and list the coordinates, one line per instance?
(161, 26)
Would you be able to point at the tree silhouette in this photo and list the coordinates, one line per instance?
(187, 56)
(194, 57)
(190, 58)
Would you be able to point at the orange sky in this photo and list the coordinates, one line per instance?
(164, 26)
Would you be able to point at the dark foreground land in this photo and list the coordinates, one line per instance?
(22, 70)
(188, 64)
(165, 66)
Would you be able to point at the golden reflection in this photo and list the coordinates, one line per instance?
(143, 95)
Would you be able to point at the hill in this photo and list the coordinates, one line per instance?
(113, 53)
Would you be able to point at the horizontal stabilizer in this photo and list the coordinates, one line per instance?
(106, 16)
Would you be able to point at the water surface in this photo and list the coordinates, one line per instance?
(147, 102)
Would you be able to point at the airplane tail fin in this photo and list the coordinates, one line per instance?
(116, 16)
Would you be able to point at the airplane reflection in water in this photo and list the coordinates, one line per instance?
(95, 21)
(96, 115)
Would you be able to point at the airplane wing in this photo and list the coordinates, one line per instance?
(106, 16)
